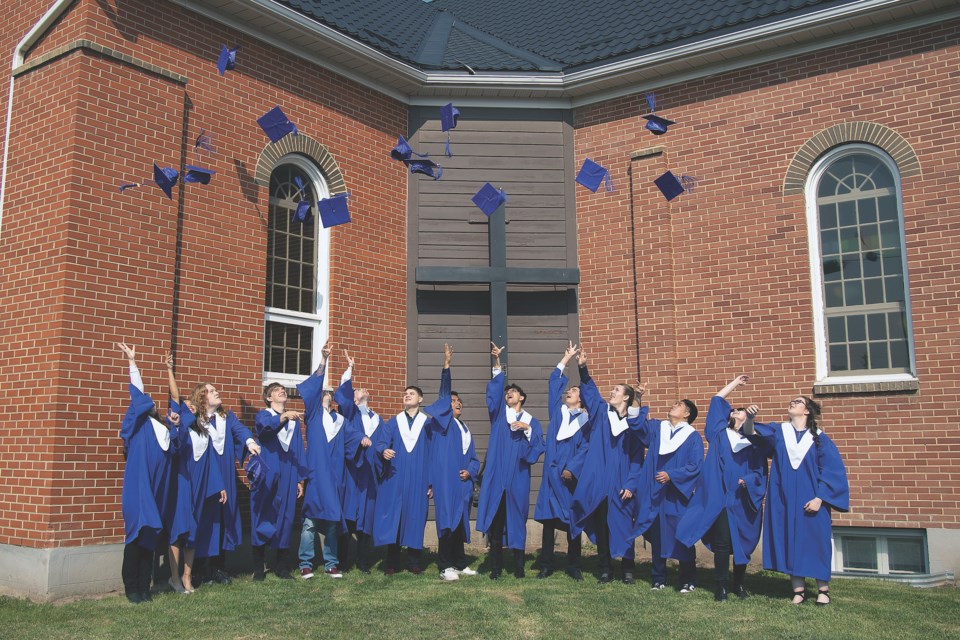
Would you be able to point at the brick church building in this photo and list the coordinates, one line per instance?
(819, 250)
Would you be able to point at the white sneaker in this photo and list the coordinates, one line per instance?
(688, 588)
(466, 571)
(449, 575)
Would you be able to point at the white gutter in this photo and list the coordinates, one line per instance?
(19, 54)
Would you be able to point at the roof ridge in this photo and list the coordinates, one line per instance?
(542, 63)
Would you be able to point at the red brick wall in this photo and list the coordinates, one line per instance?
(85, 266)
(723, 273)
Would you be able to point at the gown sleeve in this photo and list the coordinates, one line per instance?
(832, 485)
(240, 435)
(717, 416)
(684, 478)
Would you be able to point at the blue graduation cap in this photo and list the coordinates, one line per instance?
(227, 60)
(198, 174)
(256, 472)
(402, 151)
(671, 186)
(333, 211)
(304, 213)
(449, 115)
(204, 142)
(655, 124)
(276, 124)
(425, 166)
(165, 178)
(592, 174)
(489, 198)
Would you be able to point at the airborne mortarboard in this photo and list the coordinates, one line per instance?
(449, 115)
(304, 213)
(425, 166)
(227, 60)
(333, 210)
(489, 199)
(276, 124)
(402, 151)
(198, 174)
(671, 186)
(256, 472)
(165, 178)
(204, 142)
(655, 124)
(592, 174)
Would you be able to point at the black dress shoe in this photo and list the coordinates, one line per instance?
(605, 578)
(519, 573)
(576, 574)
(544, 573)
(720, 595)
(628, 577)
(220, 577)
(740, 592)
(134, 597)
(259, 575)
(495, 574)
(284, 574)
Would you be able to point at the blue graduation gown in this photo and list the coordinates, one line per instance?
(795, 542)
(718, 488)
(326, 461)
(272, 510)
(507, 473)
(606, 465)
(234, 451)
(148, 500)
(360, 497)
(199, 483)
(668, 501)
(400, 514)
(555, 495)
(451, 495)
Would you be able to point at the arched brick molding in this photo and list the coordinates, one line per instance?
(876, 134)
(306, 146)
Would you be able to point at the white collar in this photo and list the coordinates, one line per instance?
(737, 442)
(370, 420)
(410, 433)
(522, 416)
(796, 450)
(217, 428)
(617, 424)
(200, 443)
(670, 438)
(161, 432)
(465, 436)
(570, 423)
(284, 434)
(331, 425)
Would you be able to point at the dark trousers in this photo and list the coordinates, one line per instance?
(136, 569)
(722, 549)
(602, 531)
(450, 551)
(495, 536)
(547, 545)
(658, 572)
(393, 557)
(364, 547)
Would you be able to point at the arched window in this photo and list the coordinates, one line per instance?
(859, 269)
(297, 283)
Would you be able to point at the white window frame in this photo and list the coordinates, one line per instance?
(319, 321)
(881, 536)
(816, 270)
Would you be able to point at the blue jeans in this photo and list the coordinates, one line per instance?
(330, 532)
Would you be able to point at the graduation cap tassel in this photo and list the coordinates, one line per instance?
(607, 182)
(689, 183)
(447, 147)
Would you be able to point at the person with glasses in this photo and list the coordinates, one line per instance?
(808, 481)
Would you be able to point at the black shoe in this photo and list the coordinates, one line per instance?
(576, 574)
(740, 592)
(605, 578)
(259, 575)
(519, 573)
(720, 595)
(495, 574)
(825, 593)
(687, 588)
(800, 594)
(284, 574)
(628, 577)
(134, 597)
(220, 577)
(545, 572)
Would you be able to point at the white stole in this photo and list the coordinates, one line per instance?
(523, 416)
(163, 434)
(285, 434)
(410, 433)
(737, 442)
(570, 423)
(331, 426)
(370, 420)
(218, 432)
(617, 424)
(796, 450)
(465, 437)
(668, 444)
(200, 443)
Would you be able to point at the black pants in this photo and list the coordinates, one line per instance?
(393, 557)
(574, 546)
(450, 551)
(722, 549)
(364, 547)
(136, 569)
(602, 531)
(495, 536)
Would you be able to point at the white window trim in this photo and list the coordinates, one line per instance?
(320, 320)
(881, 536)
(816, 276)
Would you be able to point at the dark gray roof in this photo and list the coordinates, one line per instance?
(545, 35)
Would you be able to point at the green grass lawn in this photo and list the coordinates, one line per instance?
(408, 606)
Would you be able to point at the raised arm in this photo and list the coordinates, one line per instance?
(311, 389)
(717, 416)
(558, 381)
(131, 354)
(496, 405)
(344, 393)
(172, 389)
(736, 382)
(242, 438)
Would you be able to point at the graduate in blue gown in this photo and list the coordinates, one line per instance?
(808, 481)
(231, 443)
(516, 443)
(728, 500)
(360, 492)
(403, 449)
(565, 435)
(453, 466)
(149, 492)
(607, 472)
(670, 474)
(273, 508)
(329, 445)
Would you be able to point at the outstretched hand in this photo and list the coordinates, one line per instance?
(753, 410)
(130, 352)
(496, 351)
(581, 356)
(350, 360)
(447, 355)
(168, 361)
(739, 380)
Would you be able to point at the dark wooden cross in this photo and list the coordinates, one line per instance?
(498, 275)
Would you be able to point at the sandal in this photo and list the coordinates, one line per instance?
(823, 592)
(800, 594)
